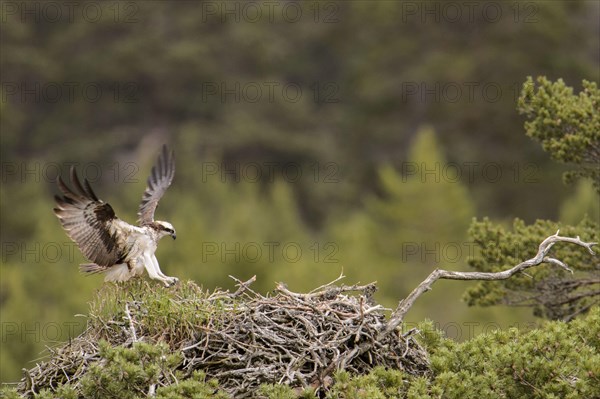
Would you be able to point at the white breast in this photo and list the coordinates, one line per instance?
(138, 241)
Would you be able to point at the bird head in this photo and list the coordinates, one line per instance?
(165, 229)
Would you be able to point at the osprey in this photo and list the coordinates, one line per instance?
(114, 246)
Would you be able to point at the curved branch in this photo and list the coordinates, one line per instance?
(404, 306)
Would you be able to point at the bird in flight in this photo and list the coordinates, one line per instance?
(115, 247)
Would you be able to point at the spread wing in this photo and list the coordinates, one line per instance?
(160, 179)
(88, 221)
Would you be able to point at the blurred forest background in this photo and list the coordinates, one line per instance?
(311, 138)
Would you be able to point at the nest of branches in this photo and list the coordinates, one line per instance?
(242, 339)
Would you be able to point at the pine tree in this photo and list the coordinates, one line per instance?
(568, 126)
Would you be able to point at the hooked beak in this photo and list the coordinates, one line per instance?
(174, 235)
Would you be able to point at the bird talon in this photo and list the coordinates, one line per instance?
(171, 281)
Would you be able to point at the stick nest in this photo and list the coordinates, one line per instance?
(242, 339)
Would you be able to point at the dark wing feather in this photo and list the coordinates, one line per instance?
(88, 221)
(159, 180)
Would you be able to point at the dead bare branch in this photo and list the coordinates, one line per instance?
(541, 257)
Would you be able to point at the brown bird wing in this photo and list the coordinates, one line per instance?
(159, 180)
(88, 221)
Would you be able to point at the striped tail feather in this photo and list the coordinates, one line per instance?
(91, 268)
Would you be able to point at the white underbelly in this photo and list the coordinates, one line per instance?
(140, 246)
